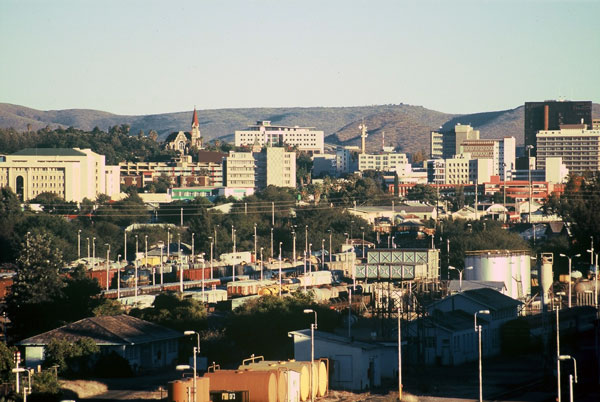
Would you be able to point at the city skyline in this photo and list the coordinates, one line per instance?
(155, 57)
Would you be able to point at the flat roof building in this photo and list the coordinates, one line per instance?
(264, 133)
(578, 147)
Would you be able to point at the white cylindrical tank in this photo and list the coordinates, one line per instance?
(512, 267)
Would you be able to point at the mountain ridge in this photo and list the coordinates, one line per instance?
(406, 126)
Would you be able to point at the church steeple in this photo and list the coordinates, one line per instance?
(196, 140)
(195, 119)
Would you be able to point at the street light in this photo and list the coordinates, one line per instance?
(79, 244)
(313, 326)
(118, 276)
(529, 148)
(329, 230)
(568, 357)
(460, 275)
(595, 277)
(211, 256)
(107, 266)
(309, 258)
(271, 241)
(161, 244)
(322, 254)
(261, 263)
(93, 252)
(193, 249)
(478, 329)
(363, 241)
(135, 281)
(183, 367)
(346, 234)
(570, 258)
(280, 243)
(196, 352)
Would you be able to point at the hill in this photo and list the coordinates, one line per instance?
(405, 126)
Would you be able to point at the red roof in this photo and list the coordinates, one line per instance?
(195, 119)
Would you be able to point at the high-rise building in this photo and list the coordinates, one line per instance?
(447, 144)
(264, 133)
(382, 162)
(578, 147)
(550, 115)
(502, 152)
(239, 170)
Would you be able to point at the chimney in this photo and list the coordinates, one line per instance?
(546, 116)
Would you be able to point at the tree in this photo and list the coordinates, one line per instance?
(7, 362)
(53, 204)
(171, 311)
(10, 216)
(72, 358)
(423, 193)
(36, 287)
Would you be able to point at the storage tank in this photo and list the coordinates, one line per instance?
(322, 378)
(512, 267)
(302, 368)
(261, 385)
(177, 391)
(282, 388)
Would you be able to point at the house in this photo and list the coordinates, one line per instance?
(446, 338)
(353, 365)
(143, 344)
(502, 309)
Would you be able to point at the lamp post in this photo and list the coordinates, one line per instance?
(88, 251)
(570, 259)
(193, 250)
(400, 351)
(261, 263)
(215, 228)
(107, 266)
(478, 329)
(294, 248)
(211, 256)
(255, 244)
(504, 192)
(460, 274)
(272, 242)
(161, 244)
(329, 230)
(322, 254)
(346, 234)
(363, 241)
(196, 352)
(118, 276)
(568, 357)
(595, 277)
(280, 243)
(93, 252)
(180, 265)
(309, 257)
(135, 280)
(305, 238)
(529, 148)
(351, 225)
(233, 238)
(313, 326)
(79, 244)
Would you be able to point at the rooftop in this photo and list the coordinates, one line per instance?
(107, 330)
(49, 152)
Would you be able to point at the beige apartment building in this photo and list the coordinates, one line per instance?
(239, 170)
(71, 173)
(263, 133)
(382, 162)
(465, 170)
(275, 167)
(578, 147)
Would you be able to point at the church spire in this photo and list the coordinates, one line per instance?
(195, 119)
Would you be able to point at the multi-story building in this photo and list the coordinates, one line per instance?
(179, 171)
(346, 160)
(502, 152)
(436, 171)
(447, 145)
(465, 170)
(386, 161)
(550, 115)
(239, 170)
(263, 133)
(275, 167)
(71, 173)
(578, 147)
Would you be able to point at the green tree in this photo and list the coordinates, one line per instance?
(108, 307)
(169, 310)
(72, 358)
(424, 193)
(7, 362)
(36, 287)
(10, 215)
(54, 204)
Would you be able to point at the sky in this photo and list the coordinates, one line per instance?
(150, 57)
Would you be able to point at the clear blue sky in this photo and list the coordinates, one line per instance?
(145, 57)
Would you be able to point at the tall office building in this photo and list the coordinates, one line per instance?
(578, 147)
(275, 167)
(447, 145)
(550, 115)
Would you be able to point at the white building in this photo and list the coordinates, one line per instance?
(263, 133)
(383, 162)
(275, 167)
(502, 152)
(239, 170)
(578, 147)
(71, 173)
(345, 161)
(465, 170)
